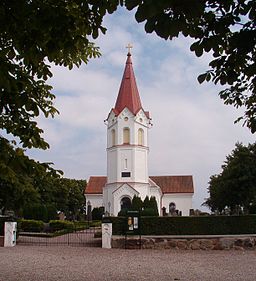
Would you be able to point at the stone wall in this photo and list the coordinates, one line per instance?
(186, 243)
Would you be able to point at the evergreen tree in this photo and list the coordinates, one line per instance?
(153, 205)
(137, 203)
(146, 203)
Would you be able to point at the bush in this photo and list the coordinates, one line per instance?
(56, 225)
(80, 225)
(95, 223)
(30, 225)
(122, 212)
(97, 213)
(210, 225)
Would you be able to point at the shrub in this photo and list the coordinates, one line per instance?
(79, 225)
(56, 225)
(30, 225)
(96, 223)
(122, 212)
(97, 213)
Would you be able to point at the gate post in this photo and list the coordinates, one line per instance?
(106, 234)
(10, 229)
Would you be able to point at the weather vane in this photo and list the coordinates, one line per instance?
(129, 47)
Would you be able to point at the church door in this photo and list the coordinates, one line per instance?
(126, 203)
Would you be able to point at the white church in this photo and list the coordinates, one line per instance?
(127, 160)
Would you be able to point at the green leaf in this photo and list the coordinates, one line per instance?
(201, 78)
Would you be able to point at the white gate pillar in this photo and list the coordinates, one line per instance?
(106, 235)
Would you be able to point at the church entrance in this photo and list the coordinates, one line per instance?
(126, 203)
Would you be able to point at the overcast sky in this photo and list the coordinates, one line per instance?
(193, 131)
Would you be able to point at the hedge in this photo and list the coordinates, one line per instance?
(30, 225)
(207, 225)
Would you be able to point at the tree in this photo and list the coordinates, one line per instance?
(75, 200)
(235, 187)
(33, 35)
(136, 203)
(153, 205)
(146, 203)
(16, 177)
(224, 27)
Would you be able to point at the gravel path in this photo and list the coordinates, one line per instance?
(32, 263)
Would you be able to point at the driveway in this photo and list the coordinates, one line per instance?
(48, 263)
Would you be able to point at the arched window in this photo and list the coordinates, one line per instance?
(113, 137)
(172, 207)
(140, 137)
(126, 135)
(126, 203)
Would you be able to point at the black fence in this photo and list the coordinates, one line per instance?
(90, 237)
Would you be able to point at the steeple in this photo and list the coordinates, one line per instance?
(128, 95)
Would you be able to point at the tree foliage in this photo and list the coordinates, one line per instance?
(35, 189)
(224, 27)
(235, 187)
(34, 34)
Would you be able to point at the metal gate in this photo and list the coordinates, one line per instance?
(87, 238)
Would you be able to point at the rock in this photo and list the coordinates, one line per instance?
(194, 244)
(182, 244)
(172, 243)
(248, 242)
(206, 244)
(226, 243)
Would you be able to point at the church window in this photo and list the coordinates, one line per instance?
(113, 135)
(125, 118)
(140, 137)
(126, 136)
(125, 163)
(126, 174)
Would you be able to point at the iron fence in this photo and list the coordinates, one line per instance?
(87, 238)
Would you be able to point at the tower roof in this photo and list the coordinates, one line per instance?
(128, 95)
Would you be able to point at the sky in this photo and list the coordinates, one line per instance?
(192, 131)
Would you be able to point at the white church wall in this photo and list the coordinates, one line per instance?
(183, 202)
(108, 197)
(140, 164)
(96, 200)
(112, 168)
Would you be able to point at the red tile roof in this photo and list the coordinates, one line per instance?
(95, 185)
(128, 95)
(168, 184)
(174, 184)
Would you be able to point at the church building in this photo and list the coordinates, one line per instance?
(127, 160)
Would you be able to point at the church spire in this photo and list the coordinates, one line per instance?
(128, 95)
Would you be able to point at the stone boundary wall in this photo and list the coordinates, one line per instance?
(237, 242)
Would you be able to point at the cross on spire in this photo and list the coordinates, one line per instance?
(129, 47)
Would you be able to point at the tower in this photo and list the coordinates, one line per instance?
(127, 146)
